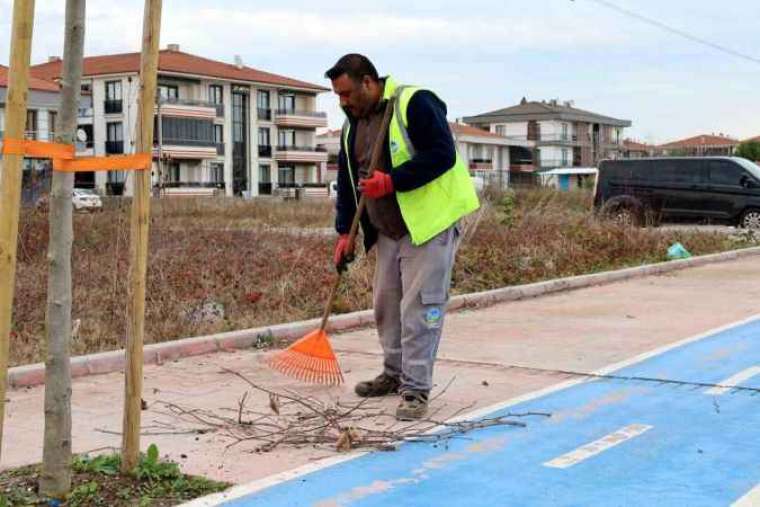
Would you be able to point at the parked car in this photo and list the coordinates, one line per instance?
(85, 199)
(715, 189)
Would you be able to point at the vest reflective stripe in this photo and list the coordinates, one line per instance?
(437, 205)
(344, 136)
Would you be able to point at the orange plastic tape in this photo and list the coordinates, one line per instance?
(138, 162)
(38, 149)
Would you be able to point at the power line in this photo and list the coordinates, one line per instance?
(676, 31)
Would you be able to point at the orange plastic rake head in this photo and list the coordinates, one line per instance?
(310, 359)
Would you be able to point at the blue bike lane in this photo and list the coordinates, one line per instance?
(609, 442)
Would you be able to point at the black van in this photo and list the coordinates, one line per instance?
(715, 189)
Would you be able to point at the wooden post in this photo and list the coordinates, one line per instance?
(10, 178)
(55, 479)
(130, 444)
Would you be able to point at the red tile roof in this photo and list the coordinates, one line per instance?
(468, 130)
(173, 61)
(630, 144)
(702, 140)
(34, 83)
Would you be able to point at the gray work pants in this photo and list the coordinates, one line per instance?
(411, 289)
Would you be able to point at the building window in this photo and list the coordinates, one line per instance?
(286, 138)
(565, 135)
(217, 172)
(114, 137)
(113, 90)
(287, 102)
(31, 124)
(263, 106)
(286, 176)
(264, 139)
(172, 172)
(219, 134)
(265, 179)
(216, 94)
(168, 92)
(501, 130)
(565, 156)
(52, 127)
(113, 103)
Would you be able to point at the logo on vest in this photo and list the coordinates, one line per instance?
(394, 146)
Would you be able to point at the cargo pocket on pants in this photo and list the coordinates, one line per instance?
(433, 304)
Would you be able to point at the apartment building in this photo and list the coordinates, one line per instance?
(635, 149)
(217, 125)
(329, 141)
(700, 146)
(564, 136)
(41, 116)
(491, 156)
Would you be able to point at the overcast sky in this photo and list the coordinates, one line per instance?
(478, 55)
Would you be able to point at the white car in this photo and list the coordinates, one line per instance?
(85, 199)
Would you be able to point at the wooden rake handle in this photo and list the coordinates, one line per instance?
(377, 151)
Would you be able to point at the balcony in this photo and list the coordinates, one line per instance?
(560, 139)
(187, 108)
(481, 164)
(264, 114)
(188, 149)
(113, 106)
(85, 112)
(265, 151)
(306, 154)
(114, 147)
(303, 119)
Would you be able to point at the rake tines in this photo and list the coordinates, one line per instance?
(310, 359)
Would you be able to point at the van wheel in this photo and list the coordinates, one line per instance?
(624, 210)
(750, 219)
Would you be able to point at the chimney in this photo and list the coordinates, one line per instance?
(524, 101)
(173, 47)
(52, 59)
(238, 61)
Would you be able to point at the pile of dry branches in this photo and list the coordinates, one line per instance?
(297, 420)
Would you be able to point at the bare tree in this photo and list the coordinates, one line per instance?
(55, 480)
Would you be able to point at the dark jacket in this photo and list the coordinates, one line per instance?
(435, 154)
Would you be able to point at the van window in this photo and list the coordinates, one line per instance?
(723, 172)
(679, 171)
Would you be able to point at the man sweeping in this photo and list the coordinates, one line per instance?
(415, 199)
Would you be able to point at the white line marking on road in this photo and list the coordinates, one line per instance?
(751, 499)
(267, 482)
(598, 446)
(733, 381)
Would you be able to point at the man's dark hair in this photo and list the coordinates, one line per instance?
(355, 66)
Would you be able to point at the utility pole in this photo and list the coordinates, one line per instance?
(10, 179)
(130, 444)
(55, 479)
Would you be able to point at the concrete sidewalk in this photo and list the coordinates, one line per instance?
(514, 347)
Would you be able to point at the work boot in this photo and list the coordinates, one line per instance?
(382, 385)
(413, 405)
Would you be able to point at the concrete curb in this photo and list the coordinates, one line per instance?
(109, 362)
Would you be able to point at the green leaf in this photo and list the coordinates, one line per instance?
(152, 454)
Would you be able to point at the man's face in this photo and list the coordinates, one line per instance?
(355, 97)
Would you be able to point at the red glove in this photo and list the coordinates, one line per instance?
(378, 185)
(344, 252)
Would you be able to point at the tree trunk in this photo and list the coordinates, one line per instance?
(55, 479)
